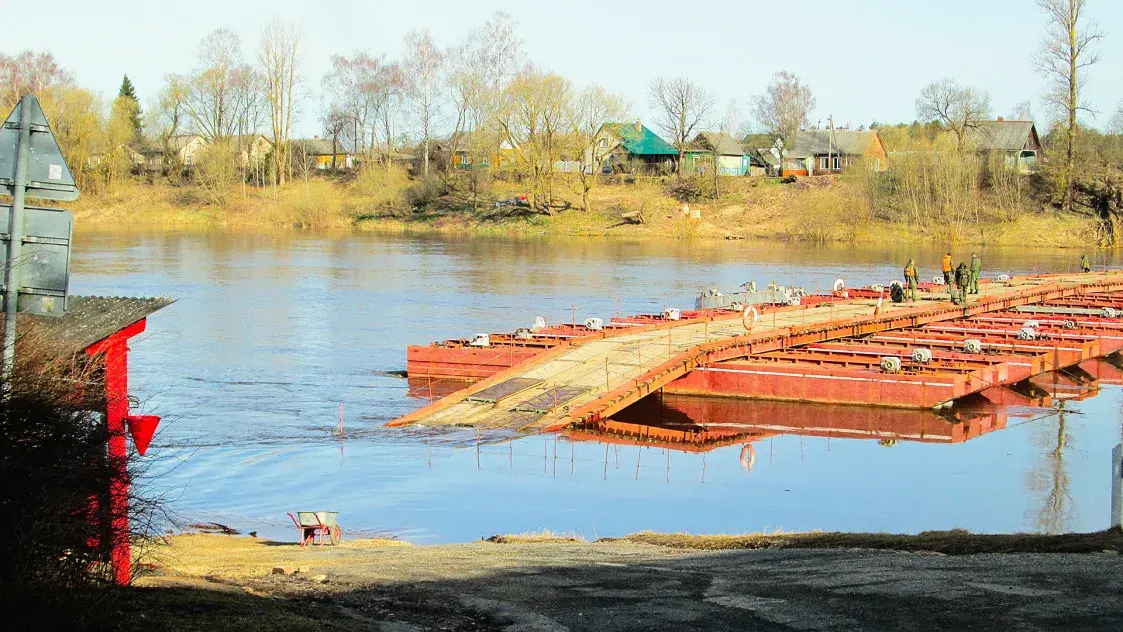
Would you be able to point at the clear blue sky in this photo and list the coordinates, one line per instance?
(865, 59)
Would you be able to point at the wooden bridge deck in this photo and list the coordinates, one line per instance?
(593, 379)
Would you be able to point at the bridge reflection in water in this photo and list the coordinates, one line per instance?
(699, 424)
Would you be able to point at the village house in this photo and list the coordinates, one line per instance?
(631, 147)
(252, 149)
(184, 149)
(732, 159)
(1016, 141)
(764, 153)
(322, 153)
(470, 143)
(818, 152)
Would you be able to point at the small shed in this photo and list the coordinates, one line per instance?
(1016, 141)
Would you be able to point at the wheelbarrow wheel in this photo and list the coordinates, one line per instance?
(336, 535)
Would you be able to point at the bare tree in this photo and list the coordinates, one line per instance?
(783, 108)
(594, 107)
(279, 57)
(1115, 126)
(29, 71)
(533, 119)
(958, 108)
(424, 68)
(480, 68)
(1067, 51)
(167, 116)
(732, 122)
(355, 88)
(683, 107)
(1022, 112)
(390, 84)
(214, 86)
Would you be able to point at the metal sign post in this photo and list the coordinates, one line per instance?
(31, 164)
(15, 241)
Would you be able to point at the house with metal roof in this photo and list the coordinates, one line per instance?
(631, 147)
(732, 159)
(1016, 141)
(829, 151)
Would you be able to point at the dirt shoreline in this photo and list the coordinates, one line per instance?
(639, 582)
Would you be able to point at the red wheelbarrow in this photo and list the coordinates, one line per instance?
(317, 527)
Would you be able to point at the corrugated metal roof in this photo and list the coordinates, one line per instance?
(641, 141)
(88, 320)
(725, 144)
(818, 142)
(1004, 135)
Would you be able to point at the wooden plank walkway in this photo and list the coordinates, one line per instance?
(596, 378)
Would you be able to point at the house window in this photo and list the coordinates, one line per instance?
(877, 164)
(824, 163)
(837, 163)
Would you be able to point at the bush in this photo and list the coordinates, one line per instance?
(691, 189)
(53, 463)
(424, 192)
(381, 189)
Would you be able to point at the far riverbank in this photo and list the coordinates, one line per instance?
(802, 213)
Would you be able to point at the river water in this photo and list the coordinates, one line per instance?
(272, 332)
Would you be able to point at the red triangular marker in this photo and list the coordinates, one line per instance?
(142, 427)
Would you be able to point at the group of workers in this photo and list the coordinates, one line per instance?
(964, 278)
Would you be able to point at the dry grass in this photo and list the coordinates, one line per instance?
(955, 542)
(545, 536)
(204, 555)
(750, 208)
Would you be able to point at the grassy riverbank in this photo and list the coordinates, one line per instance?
(818, 210)
(201, 582)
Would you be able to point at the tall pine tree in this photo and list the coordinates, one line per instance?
(129, 92)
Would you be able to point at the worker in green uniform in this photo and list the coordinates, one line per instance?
(976, 268)
(911, 280)
(962, 280)
(1085, 265)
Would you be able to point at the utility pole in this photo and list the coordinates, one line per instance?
(830, 143)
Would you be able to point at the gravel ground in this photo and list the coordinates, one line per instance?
(620, 585)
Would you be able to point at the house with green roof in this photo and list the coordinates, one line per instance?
(632, 147)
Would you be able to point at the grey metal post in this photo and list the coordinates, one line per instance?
(1117, 486)
(15, 241)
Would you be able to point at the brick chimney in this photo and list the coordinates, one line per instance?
(1000, 119)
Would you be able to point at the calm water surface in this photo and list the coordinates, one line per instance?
(272, 331)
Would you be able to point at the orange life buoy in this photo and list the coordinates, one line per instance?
(751, 309)
(748, 457)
